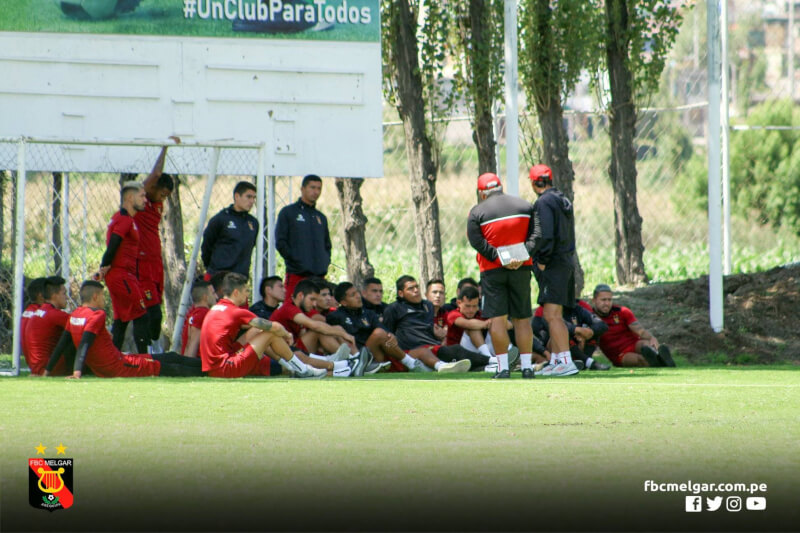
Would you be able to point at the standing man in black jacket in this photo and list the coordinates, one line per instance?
(554, 244)
(231, 234)
(302, 237)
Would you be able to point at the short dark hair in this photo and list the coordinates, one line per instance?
(469, 292)
(467, 281)
(243, 186)
(341, 290)
(319, 282)
(233, 281)
(52, 285)
(309, 178)
(199, 289)
(401, 282)
(88, 289)
(371, 281)
(307, 287)
(270, 282)
(129, 186)
(166, 181)
(36, 288)
(217, 279)
(434, 282)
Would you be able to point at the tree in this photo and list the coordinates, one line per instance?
(413, 58)
(559, 41)
(354, 223)
(172, 254)
(639, 34)
(479, 76)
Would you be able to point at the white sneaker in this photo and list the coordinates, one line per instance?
(564, 369)
(456, 367)
(341, 354)
(311, 372)
(545, 370)
(492, 368)
(419, 366)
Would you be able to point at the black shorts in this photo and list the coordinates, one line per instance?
(506, 292)
(556, 282)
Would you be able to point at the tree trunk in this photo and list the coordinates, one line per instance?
(354, 223)
(56, 214)
(173, 256)
(482, 129)
(622, 170)
(422, 168)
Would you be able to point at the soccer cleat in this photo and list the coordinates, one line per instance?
(457, 367)
(563, 369)
(580, 365)
(359, 363)
(513, 356)
(311, 372)
(665, 356)
(528, 373)
(651, 356)
(503, 374)
(374, 367)
(342, 353)
(599, 366)
(419, 366)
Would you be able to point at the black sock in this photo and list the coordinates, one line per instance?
(141, 334)
(118, 328)
(577, 354)
(457, 353)
(177, 359)
(177, 370)
(155, 317)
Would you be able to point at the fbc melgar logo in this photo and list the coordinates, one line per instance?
(50, 481)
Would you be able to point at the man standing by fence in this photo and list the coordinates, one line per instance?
(230, 235)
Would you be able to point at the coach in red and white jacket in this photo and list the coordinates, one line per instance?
(502, 220)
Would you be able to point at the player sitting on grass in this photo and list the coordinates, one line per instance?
(626, 343)
(203, 297)
(367, 329)
(45, 327)
(273, 293)
(226, 354)
(467, 328)
(326, 302)
(372, 296)
(582, 326)
(435, 294)
(410, 318)
(312, 335)
(35, 297)
(86, 329)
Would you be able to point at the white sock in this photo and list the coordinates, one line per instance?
(553, 358)
(525, 359)
(589, 362)
(485, 350)
(502, 361)
(565, 357)
(341, 369)
(296, 364)
(492, 360)
(438, 365)
(319, 357)
(408, 361)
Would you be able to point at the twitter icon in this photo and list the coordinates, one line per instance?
(713, 504)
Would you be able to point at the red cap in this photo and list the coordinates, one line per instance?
(489, 182)
(541, 173)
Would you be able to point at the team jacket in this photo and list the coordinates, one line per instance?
(360, 323)
(228, 241)
(574, 317)
(500, 220)
(302, 239)
(555, 227)
(412, 324)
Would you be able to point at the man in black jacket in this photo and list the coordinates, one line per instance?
(302, 237)
(231, 234)
(554, 245)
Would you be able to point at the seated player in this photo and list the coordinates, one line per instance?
(435, 293)
(227, 354)
(368, 331)
(410, 318)
(86, 330)
(626, 343)
(45, 328)
(312, 336)
(372, 296)
(453, 303)
(272, 293)
(35, 297)
(466, 328)
(203, 297)
(583, 327)
(326, 303)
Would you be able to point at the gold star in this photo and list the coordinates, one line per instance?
(40, 449)
(61, 449)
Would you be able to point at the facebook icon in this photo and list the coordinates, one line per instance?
(694, 504)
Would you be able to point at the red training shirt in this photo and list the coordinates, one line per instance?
(149, 237)
(122, 224)
(105, 360)
(23, 323)
(284, 315)
(218, 334)
(454, 333)
(619, 337)
(43, 332)
(194, 319)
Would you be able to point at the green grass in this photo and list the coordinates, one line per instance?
(598, 436)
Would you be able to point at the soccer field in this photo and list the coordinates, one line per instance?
(409, 452)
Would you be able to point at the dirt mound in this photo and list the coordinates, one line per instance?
(761, 317)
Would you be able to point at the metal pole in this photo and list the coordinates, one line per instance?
(791, 50)
(84, 250)
(715, 309)
(19, 264)
(192, 267)
(65, 249)
(512, 124)
(724, 111)
(261, 203)
(271, 259)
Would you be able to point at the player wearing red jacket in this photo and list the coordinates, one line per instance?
(45, 327)
(86, 329)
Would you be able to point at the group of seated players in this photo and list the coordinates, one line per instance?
(321, 329)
